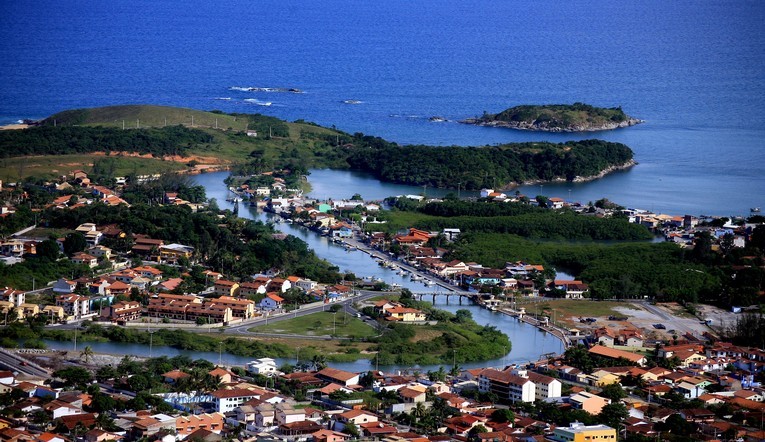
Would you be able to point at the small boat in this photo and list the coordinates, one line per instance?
(352, 102)
(429, 282)
(436, 119)
(416, 277)
(402, 272)
(755, 210)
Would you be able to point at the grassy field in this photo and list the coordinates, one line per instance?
(333, 349)
(320, 324)
(148, 116)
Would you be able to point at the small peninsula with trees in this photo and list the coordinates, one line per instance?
(577, 117)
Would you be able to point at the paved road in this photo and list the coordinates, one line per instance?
(15, 362)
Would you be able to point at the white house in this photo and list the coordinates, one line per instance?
(228, 400)
(264, 366)
(306, 284)
(271, 302)
(285, 414)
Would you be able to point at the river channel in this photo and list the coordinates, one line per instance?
(528, 343)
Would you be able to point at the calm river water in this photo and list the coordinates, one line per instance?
(528, 343)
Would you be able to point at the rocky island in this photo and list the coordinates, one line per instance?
(577, 117)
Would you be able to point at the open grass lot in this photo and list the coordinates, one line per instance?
(320, 324)
(52, 166)
(573, 309)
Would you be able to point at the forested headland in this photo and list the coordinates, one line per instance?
(577, 117)
(500, 166)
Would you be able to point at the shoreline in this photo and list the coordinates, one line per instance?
(579, 179)
(533, 127)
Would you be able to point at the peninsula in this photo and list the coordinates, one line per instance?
(160, 139)
(577, 117)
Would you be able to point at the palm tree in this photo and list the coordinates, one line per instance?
(319, 362)
(418, 412)
(86, 354)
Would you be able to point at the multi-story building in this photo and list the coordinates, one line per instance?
(15, 297)
(75, 306)
(240, 308)
(507, 385)
(125, 311)
(544, 386)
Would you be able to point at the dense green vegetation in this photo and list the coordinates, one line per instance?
(514, 218)
(49, 140)
(661, 271)
(490, 166)
(459, 338)
(577, 116)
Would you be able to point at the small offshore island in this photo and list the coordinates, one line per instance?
(577, 117)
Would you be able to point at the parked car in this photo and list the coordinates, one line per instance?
(659, 326)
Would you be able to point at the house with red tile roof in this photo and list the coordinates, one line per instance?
(612, 353)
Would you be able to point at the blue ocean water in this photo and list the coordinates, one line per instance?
(694, 70)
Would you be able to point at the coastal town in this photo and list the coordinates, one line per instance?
(639, 372)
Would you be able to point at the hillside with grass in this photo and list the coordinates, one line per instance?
(577, 117)
(160, 139)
